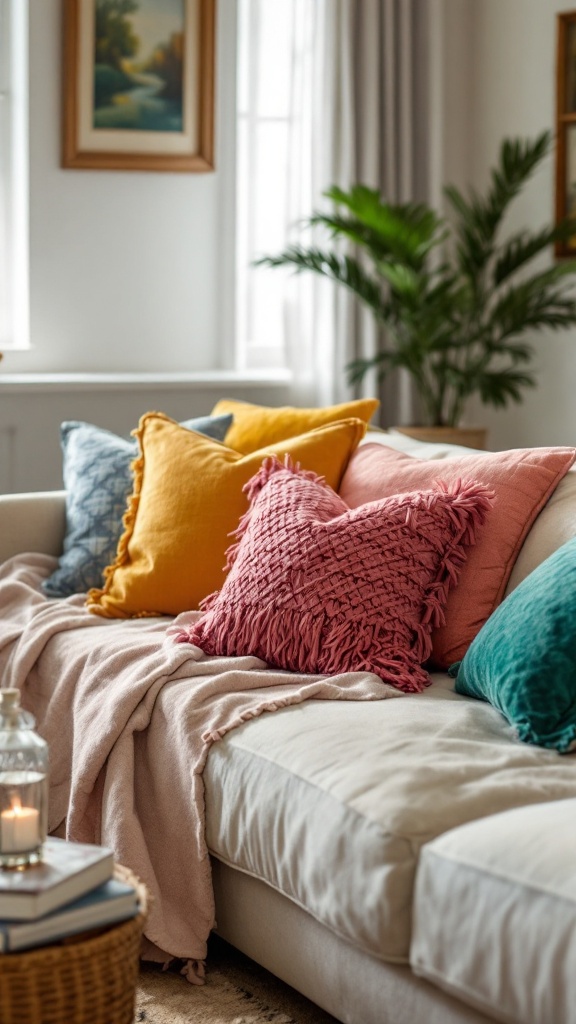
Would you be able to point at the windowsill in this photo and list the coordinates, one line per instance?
(23, 382)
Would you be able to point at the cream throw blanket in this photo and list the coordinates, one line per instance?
(129, 717)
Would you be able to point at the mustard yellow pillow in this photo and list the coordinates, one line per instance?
(187, 500)
(255, 426)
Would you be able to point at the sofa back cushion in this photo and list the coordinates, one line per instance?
(523, 479)
(554, 526)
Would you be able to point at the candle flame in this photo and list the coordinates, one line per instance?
(16, 805)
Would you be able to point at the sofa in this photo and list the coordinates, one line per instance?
(395, 860)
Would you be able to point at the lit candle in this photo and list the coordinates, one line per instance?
(19, 828)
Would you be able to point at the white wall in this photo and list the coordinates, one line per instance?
(512, 56)
(126, 267)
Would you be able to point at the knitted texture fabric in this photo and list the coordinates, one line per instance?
(315, 586)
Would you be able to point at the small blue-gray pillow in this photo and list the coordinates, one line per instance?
(98, 482)
(523, 660)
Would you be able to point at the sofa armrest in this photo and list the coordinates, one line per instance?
(494, 916)
(32, 522)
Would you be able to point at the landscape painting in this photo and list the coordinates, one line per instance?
(138, 65)
(139, 84)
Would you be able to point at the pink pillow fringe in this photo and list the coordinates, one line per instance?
(275, 637)
(393, 638)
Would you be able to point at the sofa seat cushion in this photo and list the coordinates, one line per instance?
(331, 805)
(495, 914)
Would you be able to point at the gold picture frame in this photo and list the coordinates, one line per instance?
(566, 125)
(138, 88)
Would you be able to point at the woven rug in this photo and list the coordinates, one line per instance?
(237, 991)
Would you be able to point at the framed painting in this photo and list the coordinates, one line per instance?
(139, 85)
(566, 125)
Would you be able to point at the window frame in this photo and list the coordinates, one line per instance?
(14, 189)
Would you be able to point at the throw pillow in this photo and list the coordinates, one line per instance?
(98, 482)
(317, 587)
(523, 479)
(187, 500)
(256, 426)
(523, 660)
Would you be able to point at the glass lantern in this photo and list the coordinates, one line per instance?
(23, 785)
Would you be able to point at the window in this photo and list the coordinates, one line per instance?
(13, 175)
(273, 134)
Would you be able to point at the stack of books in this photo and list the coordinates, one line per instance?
(70, 891)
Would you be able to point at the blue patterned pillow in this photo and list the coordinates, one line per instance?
(98, 481)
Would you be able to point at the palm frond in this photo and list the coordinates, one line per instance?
(392, 239)
(522, 247)
(497, 387)
(357, 369)
(480, 217)
(344, 270)
(540, 301)
(368, 206)
(406, 231)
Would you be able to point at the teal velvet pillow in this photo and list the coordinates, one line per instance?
(98, 481)
(523, 660)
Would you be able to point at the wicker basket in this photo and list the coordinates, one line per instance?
(91, 980)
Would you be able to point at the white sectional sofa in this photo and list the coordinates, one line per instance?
(399, 861)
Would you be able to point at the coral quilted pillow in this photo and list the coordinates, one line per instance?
(523, 479)
(187, 500)
(317, 587)
(255, 426)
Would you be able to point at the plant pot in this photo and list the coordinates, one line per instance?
(469, 437)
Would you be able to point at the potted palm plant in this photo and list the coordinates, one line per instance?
(454, 298)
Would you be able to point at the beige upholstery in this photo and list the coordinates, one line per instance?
(331, 806)
(495, 914)
(32, 522)
(353, 986)
(555, 525)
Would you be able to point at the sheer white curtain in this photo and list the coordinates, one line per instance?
(346, 83)
(278, 74)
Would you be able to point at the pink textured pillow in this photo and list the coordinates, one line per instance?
(316, 587)
(523, 479)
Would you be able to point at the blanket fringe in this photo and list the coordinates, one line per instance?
(195, 972)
